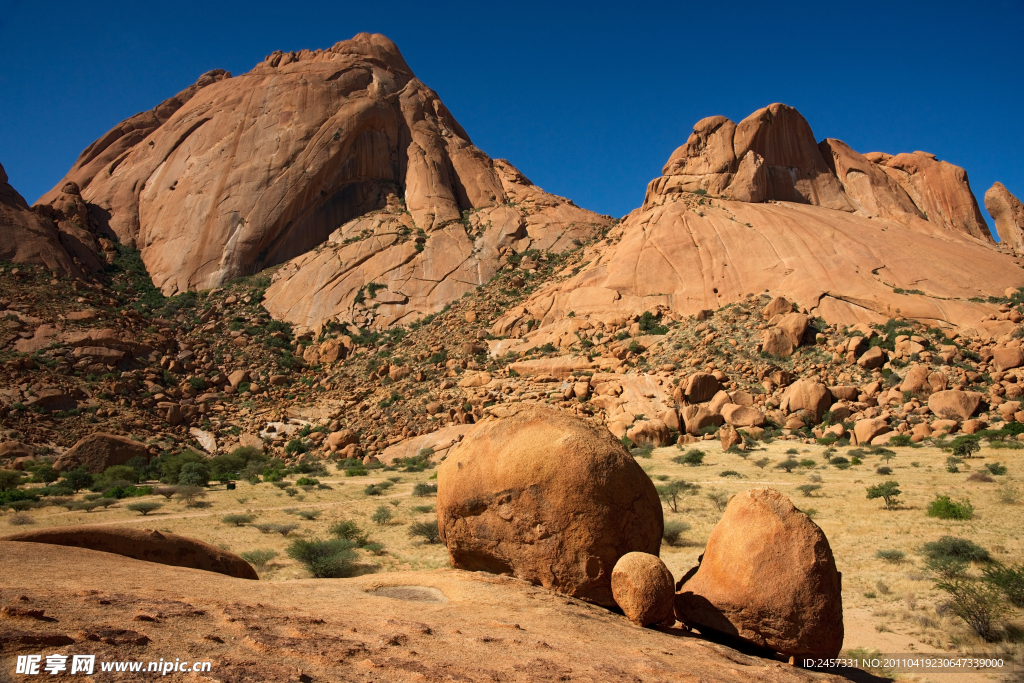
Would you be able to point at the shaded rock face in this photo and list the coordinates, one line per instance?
(237, 174)
(834, 231)
(144, 544)
(27, 237)
(1008, 214)
(767, 576)
(99, 451)
(547, 498)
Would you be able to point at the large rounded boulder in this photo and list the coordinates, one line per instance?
(146, 545)
(642, 586)
(768, 577)
(100, 450)
(549, 498)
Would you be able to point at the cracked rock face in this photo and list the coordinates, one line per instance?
(237, 174)
(548, 498)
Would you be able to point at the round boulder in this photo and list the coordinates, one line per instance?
(549, 498)
(643, 587)
(768, 577)
(146, 545)
(99, 451)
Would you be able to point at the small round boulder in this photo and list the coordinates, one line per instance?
(548, 498)
(642, 586)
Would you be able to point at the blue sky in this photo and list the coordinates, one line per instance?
(588, 100)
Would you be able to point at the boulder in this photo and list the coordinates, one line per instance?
(778, 306)
(807, 395)
(794, 325)
(844, 393)
(15, 449)
(98, 451)
(916, 381)
(548, 498)
(767, 576)
(697, 418)
(238, 377)
(654, 432)
(643, 588)
(742, 416)
(954, 404)
(146, 545)
(1004, 358)
(872, 358)
(776, 343)
(701, 387)
(338, 440)
(866, 430)
(718, 401)
(729, 437)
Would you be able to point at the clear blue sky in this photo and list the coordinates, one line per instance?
(588, 100)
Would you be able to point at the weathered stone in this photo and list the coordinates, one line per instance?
(98, 451)
(954, 404)
(643, 588)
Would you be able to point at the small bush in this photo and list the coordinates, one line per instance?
(692, 457)
(966, 446)
(808, 490)
(348, 530)
(428, 531)
(20, 519)
(423, 489)
(953, 464)
(382, 515)
(1009, 493)
(190, 495)
(944, 507)
(839, 462)
(1009, 580)
(285, 529)
(673, 531)
(719, 498)
(884, 471)
(888, 491)
(978, 604)
(237, 520)
(995, 468)
(144, 507)
(891, 556)
(374, 548)
(789, 464)
(421, 509)
(357, 472)
(731, 473)
(982, 477)
(309, 515)
(762, 463)
(259, 558)
(958, 548)
(324, 559)
(643, 451)
(808, 463)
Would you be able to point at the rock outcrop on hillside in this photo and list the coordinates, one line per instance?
(760, 207)
(27, 237)
(1008, 214)
(236, 174)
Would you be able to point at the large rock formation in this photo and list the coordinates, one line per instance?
(1008, 214)
(98, 451)
(849, 237)
(236, 174)
(28, 237)
(548, 498)
(144, 544)
(767, 576)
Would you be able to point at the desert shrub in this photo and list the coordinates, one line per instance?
(259, 558)
(692, 457)
(719, 498)
(348, 530)
(171, 464)
(89, 505)
(264, 528)
(808, 463)
(324, 559)
(808, 490)
(839, 462)
(421, 509)
(888, 491)
(309, 515)
(983, 477)
(953, 464)
(78, 479)
(978, 604)
(285, 529)
(642, 451)
(761, 463)
(673, 531)
(422, 489)
(884, 471)
(428, 531)
(945, 507)
(1009, 580)
(730, 473)
(674, 490)
(382, 515)
(190, 495)
(121, 472)
(20, 519)
(357, 472)
(965, 446)
(789, 464)
(995, 468)
(956, 548)
(891, 556)
(307, 481)
(144, 507)
(374, 548)
(194, 474)
(900, 440)
(237, 520)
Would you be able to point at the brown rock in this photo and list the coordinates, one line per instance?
(719, 401)
(238, 377)
(1008, 214)
(777, 343)
(15, 449)
(954, 404)
(768, 577)
(700, 387)
(794, 325)
(742, 416)
(845, 392)
(521, 495)
(778, 306)
(52, 399)
(27, 237)
(643, 588)
(146, 545)
(729, 437)
(654, 432)
(338, 440)
(697, 418)
(872, 358)
(98, 451)
(866, 430)
(809, 396)
(916, 381)
(1007, 358)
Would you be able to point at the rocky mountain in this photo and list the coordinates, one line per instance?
(236, 174)
(1008, 214)
(29, 237)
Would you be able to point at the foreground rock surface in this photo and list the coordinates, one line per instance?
(469, 627)
(767, 577)
(144, 544)
(548, 498)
